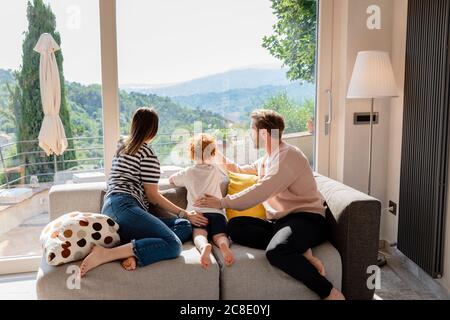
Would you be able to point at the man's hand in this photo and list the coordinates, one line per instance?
(197, 219)
(208, 201)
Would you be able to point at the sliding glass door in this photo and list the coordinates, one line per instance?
(26, 172)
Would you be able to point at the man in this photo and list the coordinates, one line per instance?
(294, 208)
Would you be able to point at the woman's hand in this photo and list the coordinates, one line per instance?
(208, 201)
(197, 219)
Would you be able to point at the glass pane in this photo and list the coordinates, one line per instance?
(26, 172)
(209, 64)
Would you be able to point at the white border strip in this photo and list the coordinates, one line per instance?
(19, 264)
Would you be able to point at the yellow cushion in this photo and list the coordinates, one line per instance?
(239, 182)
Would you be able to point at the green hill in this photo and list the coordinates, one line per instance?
(236, 104)
(85, 104)
(85, 107)
(86, 111)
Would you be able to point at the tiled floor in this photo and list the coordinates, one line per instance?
(24, 240)
(29, 218)
(400, 280)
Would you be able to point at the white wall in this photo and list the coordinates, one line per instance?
(356, 164)
(351, 165)
(390, 222)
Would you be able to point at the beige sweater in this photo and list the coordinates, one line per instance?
(286, 185)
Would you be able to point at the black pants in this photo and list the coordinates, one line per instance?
(285, 241)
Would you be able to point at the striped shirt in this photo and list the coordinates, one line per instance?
(129, 173)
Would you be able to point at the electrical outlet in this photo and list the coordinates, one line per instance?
(393, 208)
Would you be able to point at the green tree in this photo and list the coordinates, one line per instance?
(7, 120)
(27, 99)
(296, 116)
(294, 37)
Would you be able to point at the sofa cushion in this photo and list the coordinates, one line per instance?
(88, 197)
(72, 236)
(178, 279)
(239, 182)
(253, 277)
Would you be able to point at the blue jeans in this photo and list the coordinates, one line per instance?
(153, 239)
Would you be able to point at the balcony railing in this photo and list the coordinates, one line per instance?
(89, 155)
(13, 161)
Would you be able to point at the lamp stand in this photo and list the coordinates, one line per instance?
(381, 260)
(370, 148)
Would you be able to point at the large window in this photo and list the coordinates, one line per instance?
(205, 65)
(26, 173)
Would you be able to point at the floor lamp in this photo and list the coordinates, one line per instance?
(372, 78)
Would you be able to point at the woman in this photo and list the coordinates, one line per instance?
(132, 186)
(295, 212)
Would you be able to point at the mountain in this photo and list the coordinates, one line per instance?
(235, 79)
(236, 104)
(87, 100)
(85, 107)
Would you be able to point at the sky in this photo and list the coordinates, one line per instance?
(159, 41)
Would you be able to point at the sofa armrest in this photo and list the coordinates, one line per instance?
(354, 227)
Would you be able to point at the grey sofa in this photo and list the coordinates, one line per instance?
(353, 220)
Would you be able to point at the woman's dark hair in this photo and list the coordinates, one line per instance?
(144, 127)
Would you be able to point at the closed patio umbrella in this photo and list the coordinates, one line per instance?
(52, 137)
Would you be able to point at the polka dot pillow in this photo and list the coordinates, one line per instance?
(72, 236)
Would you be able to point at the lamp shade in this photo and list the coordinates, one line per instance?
(372, 76)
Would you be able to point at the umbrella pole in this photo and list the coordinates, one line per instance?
(55, 164)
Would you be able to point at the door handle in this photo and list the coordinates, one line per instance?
(329, 117)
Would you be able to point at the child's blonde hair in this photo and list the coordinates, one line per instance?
(202, 147)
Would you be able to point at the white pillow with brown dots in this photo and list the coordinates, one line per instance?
(72, 236)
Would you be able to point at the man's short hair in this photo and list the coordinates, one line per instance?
(269, 120)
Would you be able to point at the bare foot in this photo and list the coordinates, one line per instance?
(129, 264)
(315, 262)
(98, 256)
(227, 254)
(335, 294)
(205, 258)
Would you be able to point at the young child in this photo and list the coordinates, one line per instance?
(204, 177)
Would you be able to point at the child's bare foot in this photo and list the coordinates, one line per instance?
(315, 262)
(98, 256)
(205, 258)
(227, 254)
(129, 264)
(335, 294)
